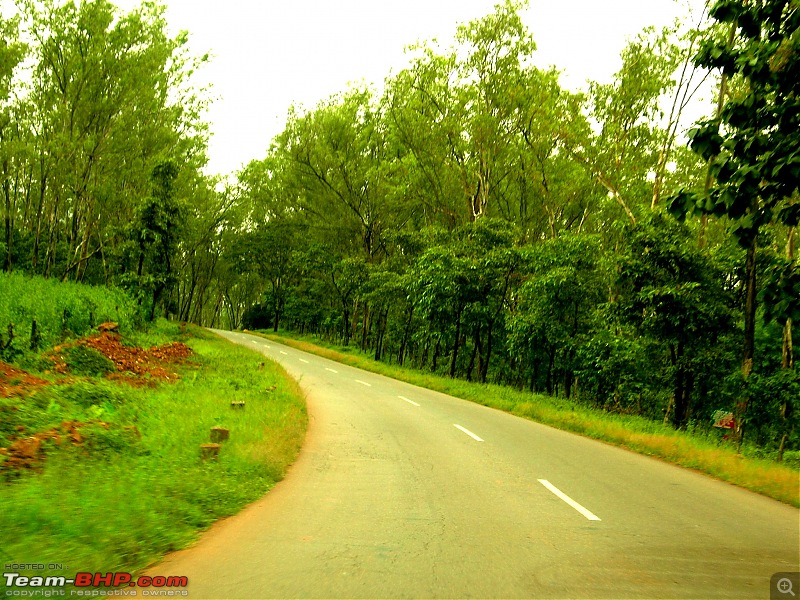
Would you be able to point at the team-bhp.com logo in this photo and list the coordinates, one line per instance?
(32, 586)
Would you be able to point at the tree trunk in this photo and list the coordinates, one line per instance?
(277, 294)
(488, 357)
(748, 351)
(436, 349)
(365, 329)
(354, 323)
(680, 395)
(567, 383)
(423, 353)
(481, 361)
(186, 306)
(38, 236)
(383, 320)
(9, 219)
(750, 311)
(404, 342)
(80, 269)
(471, 366)
(723, 91)
(52, 237)
(276, 320)
(787, 357)
(456, 344)
(787, 350)
(346, 326)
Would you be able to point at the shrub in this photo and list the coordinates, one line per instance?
(83, 360)
(104, 439)
(86, 394)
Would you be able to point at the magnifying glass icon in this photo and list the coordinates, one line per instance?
(785, 586)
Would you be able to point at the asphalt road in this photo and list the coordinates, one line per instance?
(401, 492)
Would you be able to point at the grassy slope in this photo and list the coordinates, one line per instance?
(641, 435)
(59, 307)
(117, 503)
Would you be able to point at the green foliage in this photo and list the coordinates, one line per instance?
(754, 158)
(102, 441)
(91, 393)
(792, 459)
(83, 360)
(479, 221)
(258, 316)
(60, 309)
(155, 232)
(674, 296)
(780, 293)
(667, 288)
(628, 155)
(102, 102)
(617, 373)
(773, 394)
(752, 152)
(555, 311)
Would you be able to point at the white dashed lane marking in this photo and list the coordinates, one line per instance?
(468, 432)
(585, 512)
(407, 400)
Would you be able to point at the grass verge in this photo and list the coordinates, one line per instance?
(135, 488)
(704, 454)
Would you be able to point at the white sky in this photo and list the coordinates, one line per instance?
(268, 54)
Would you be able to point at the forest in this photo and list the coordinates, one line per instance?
(470, 217)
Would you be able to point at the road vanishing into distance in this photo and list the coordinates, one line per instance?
(401, 492)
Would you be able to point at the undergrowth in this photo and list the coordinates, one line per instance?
(134, 487)
(60, 310)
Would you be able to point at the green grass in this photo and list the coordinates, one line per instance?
(702, 453)
(136, 488)
(60, 309)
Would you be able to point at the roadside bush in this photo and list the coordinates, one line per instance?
(791, 458)
(104, 439)
(86, 394)
(83, 360)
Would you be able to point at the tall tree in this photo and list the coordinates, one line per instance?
(12, 52)
(672, 293)
(753, 146)
(625, 150)
(157, 231)
(332, 157)
(111, 102)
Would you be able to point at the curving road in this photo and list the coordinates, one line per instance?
(401, 492)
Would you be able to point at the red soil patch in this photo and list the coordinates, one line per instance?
(28, 453)
(135, 366)
(16, 382)
(132, 363)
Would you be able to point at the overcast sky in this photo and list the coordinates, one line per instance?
(268, 54)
